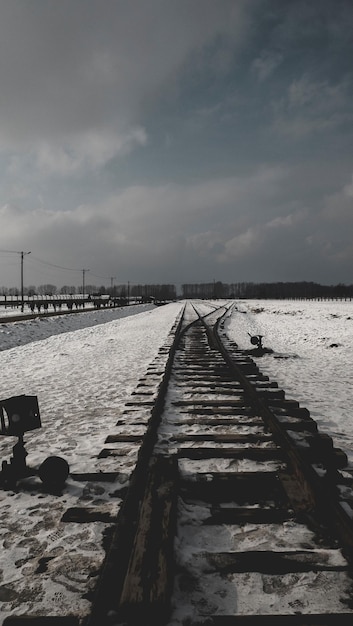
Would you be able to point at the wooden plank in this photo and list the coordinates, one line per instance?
(200, 390)
(124, 437)
(104, 477)
(326, 619)
(247, 515)
(255, 454)
(209, 384)
(84, 515)
(284, 404)
(209, 403)
(224, 437)
(41, 621)
(140, 403)
(111, 452)
(296, 424)
(148, 583)
(209, 418)
(238, 410)
(269, 562)
(241, 487)
(270, 394)
(194, 377)
(293, 410)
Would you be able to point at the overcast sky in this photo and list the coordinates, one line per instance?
(176, 141)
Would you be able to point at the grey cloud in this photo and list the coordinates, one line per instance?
(172, 231)
(231, 121)
(144, 227)
(310, 106)
(338, 207)
(75, 73)
(265, 64)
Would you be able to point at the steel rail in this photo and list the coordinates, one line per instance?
(111, 580)
(321, 487)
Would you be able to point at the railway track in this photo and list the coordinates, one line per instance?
(239, 510)
(219, 501)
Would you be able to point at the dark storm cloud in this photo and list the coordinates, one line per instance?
(181, 140)
(79, 66)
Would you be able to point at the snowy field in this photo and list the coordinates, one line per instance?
(14, 334)
(83, 368)
(82, 378)
(312, 359)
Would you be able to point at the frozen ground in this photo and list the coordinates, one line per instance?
(312, 359)
(84, 376)
(14, 334)
(83, 380)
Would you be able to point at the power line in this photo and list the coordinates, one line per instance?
(54, 265)
(71, 269)
(60, 267)
(101, 277)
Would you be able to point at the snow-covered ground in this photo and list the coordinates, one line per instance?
(312, 359)
(83, 368)
(82, 379)
(14, 334)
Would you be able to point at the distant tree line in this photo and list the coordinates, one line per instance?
(206, 290)
(211, 290)
(306, 290)
(157, 291)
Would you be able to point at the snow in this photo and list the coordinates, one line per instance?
(266, 594)
(83, 379)
(312, 359)
(13, 334)
(83, 368)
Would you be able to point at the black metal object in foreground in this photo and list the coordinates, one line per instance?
(19, 414)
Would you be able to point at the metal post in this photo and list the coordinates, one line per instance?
(83, 286)
(22, 294)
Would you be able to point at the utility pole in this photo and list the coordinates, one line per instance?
(83, 285)
(22, 255)
(22, 295)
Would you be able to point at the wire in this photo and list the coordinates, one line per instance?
(60, 267)
(101, 277)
